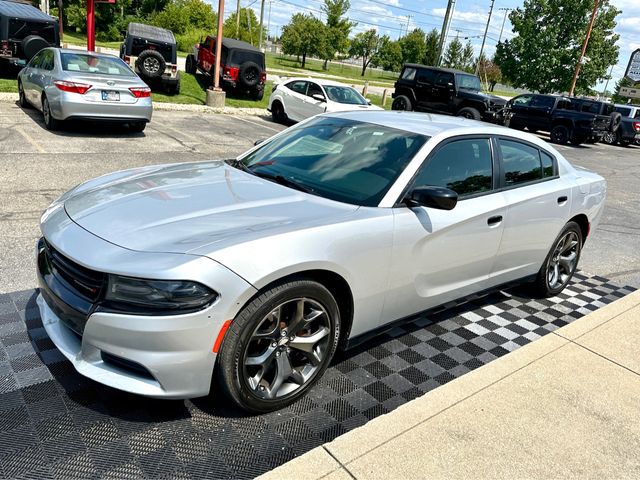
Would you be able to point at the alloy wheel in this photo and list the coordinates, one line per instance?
(563, 261)
(287, 348)
(46, 112)
(151, 65)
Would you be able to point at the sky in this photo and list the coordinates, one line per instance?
(394, 17)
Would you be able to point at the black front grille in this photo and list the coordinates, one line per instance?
(85, 282)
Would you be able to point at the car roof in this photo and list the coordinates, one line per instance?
(439, 69)
(233, 43)
(23, 11)
(321, 81)
(421, 123)
(74, 50)
(150, 32)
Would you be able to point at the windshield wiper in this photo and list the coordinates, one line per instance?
(239, 164)
(287, 182)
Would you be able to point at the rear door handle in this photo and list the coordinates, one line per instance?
(495, 220)
(562, 200)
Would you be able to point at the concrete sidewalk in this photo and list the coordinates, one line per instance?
(564, 406)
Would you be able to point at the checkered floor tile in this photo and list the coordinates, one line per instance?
(56, 424)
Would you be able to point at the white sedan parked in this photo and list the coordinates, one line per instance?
(299, 98)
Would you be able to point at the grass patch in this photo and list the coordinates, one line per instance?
(74, 38)
(8, 85)
(193, 91)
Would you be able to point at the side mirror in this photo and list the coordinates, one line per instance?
(258, 142)
(433, 197)
(368, 101)
(319, 97)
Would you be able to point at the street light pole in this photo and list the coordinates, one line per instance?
(584, 48)
(443, 33)
(261, 23)
(484, 39)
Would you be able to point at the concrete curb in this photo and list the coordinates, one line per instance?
(8, 97)
(329, 460)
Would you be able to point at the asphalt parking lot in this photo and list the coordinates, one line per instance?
(37, 166)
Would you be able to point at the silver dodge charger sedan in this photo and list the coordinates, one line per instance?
(253, 271)
(73, 84)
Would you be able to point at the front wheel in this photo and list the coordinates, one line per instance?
(22, 99)
(560, 135)
(279, 345)
(401, 102)
(561, 262)
(470, 113)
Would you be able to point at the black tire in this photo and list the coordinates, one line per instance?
(151, 64)
(137, 127)
(173, 87)
(402, 102)
(560, 134)
(625, 143)
(277, 113)
(190, 65)
(249, 75)
(22, 99)
(32, 45)
(234, 375)
(257, 94)
(49, 122)
(578, 140)
(614, 123)
(542, 285)
(610, 138)
(470, 113)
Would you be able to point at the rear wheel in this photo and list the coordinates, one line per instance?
(401, 102)
(257, 94)
(560, 135)
(137, 127)
(190, 64)
(578, 140)
(470, 113)
(561, 262)
(610, 138)
(279, 345)
(277, 113)
(49, 122)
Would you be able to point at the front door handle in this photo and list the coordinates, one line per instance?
(562, 200)
(495, 220)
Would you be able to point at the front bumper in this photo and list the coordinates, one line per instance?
(71, 105)
(163, 356)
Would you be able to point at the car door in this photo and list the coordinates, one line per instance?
(27, 76)
(519, 110)
(206, 56)
(424, 88)
(443, 92)
(538, 206)
(440, 255)
(313, 106)
(42, 75)
(539, 112)
(294, 103)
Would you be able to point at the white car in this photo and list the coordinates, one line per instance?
(299, 98)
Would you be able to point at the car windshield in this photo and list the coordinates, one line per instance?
(470, 82)
(346, 95)
(87, 63)
(344, 160)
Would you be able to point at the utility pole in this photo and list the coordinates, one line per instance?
(584, 48)
(269, 21)
(238, 20)
(216, 68)
(443, 33)
(408, 20)
(606, 85)
(60, 28)
(484, 39)
(261, 22)
(506, 11)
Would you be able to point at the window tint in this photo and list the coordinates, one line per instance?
(443, 79)
(314, 89)
(637, 115)
(408, 73)
(543, 102)
(470, 82)
(35, 61)
(427, 76)
(547, 165)
(520, 162)
(298, 87)
(346, 95)
(97, 64)
(625, 112)
(47, 60)
(464, 166)
(522, 100)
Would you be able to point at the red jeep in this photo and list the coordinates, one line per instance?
(242, 66)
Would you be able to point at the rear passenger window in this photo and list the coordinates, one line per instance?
(464, 166)
(547, 165)
(520, 162)
(426, 76)
(298, 87)
(409, 74)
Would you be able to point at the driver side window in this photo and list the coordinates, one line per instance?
(314, 89)
(37, 60)
(464, 166)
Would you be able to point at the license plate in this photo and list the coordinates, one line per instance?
(110, 96)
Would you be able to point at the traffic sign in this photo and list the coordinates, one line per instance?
(633, 69)
(630, 92)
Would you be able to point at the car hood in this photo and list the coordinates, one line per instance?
(184, 208)
(494, 99)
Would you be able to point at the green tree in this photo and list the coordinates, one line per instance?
(413, 46)
(337, 31)
(453, 54)
(179, 16)
(467, 62)
(389, 55)
(431, 47)
(549, 36)
(365, 45)
(249, 26)
(489, 72)
(302, 36)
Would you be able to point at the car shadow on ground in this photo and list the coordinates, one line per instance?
(84, 128)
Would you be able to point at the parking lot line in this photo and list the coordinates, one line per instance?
(33, 143)
(262, 125)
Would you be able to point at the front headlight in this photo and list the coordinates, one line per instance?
(139, 295)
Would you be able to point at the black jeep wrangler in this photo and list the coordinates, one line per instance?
(151, 52)
(443, 90)
(566, 119)
(24, 31)
(242, 66)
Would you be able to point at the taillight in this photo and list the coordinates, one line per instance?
(4, 45)
(263, 77)
(230, 73)
(636, 126)
(140, 92)
(174, 69)
(127, 59)
(72, 87)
